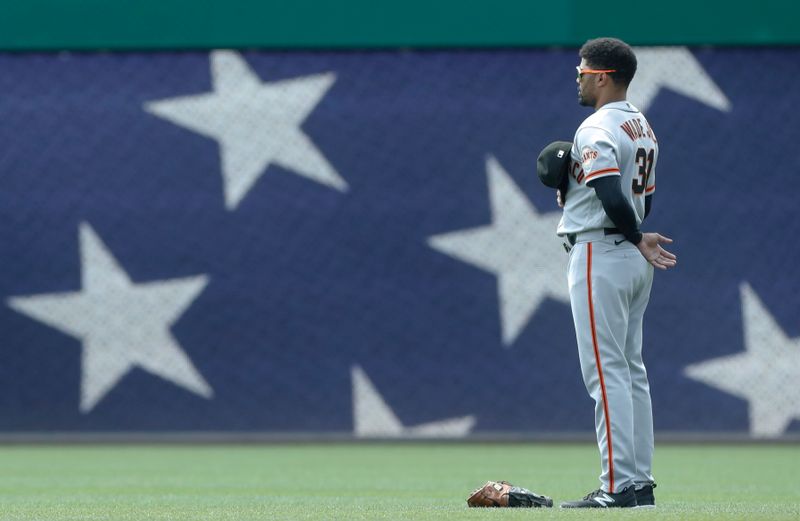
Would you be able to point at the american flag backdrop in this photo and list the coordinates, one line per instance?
(356, 242)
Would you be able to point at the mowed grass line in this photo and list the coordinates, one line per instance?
(377, 481)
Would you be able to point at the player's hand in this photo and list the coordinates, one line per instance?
(650, 248)
(559, 201)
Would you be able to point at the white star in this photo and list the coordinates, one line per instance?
(520, 247)
(256, 124)
(766, 374)
(122, 325)
(677, 69)
(373, 417)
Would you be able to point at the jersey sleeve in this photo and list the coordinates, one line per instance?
(597, 152)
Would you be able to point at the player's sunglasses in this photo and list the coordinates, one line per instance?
(581, 72)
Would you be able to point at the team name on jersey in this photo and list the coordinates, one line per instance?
(636, 129)
(578, 177)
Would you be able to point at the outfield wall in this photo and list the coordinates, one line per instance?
(354, 244)
(209, 24)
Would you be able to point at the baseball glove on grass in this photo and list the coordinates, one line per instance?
(504, 494)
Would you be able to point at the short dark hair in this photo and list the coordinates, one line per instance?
(611, 53)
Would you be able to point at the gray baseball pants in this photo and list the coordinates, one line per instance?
(609, 287)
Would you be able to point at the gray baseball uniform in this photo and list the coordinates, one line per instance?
(609, 285)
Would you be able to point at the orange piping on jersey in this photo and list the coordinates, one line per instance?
(648, 190)
(600, 371)
(598, 172)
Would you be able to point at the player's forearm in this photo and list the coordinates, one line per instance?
(648, 205)
(609, 191)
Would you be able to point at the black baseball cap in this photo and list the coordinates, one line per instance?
(553, 163)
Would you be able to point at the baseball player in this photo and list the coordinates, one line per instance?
(612, 178)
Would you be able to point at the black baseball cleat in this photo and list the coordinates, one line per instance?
(645, 497)
(602, 499)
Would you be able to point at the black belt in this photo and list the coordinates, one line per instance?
(571, 237)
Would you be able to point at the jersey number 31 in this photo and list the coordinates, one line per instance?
(644, 159)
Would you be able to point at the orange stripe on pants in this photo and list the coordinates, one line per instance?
(599, 369)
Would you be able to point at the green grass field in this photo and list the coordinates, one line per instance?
(377, 481)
